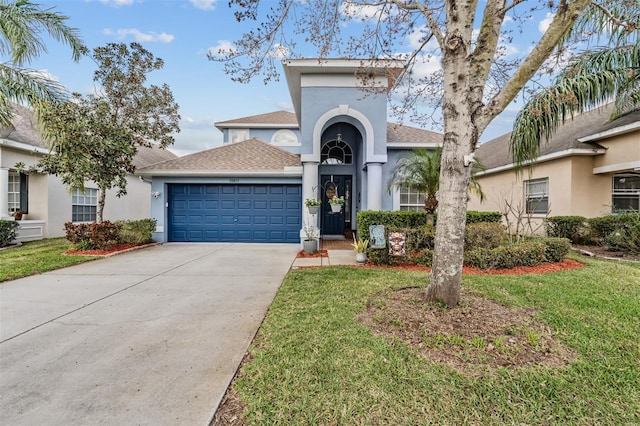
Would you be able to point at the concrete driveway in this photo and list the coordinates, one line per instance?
(150, 337)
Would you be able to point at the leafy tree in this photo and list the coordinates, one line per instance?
(95, 137)
(21, 26)
(476, 80)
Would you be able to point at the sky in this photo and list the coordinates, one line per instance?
(181, 32)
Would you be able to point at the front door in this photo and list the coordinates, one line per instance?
(335, 223)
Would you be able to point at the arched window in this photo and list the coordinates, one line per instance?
(336, 152)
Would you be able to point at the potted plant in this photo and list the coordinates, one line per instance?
(336, 204)
(312, 205)
(310, 244)
(360, 247)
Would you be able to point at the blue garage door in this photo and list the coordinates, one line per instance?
(238, 213)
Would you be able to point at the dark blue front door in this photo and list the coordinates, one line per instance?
(235, 213)
(333, 223)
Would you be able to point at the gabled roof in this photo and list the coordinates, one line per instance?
(249, 157)
(567, 140)
(23, 128)
(148, 156)
(275, 119)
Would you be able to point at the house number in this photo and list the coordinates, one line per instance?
(234, 180)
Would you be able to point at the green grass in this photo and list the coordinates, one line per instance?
(314, 363)
(35, 257)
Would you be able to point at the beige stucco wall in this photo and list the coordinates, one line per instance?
(573, 190)
(621, 150)
(135, 205)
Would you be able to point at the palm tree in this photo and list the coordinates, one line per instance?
(21, 26)
(591, 79)
(420, 170)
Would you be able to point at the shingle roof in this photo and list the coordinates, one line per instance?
(496, 153)
(249, 155)
(148, 156)
(401, 133)
(276, 118)
(23, 127)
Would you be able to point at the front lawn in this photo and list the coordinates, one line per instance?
(315, 361)
(35, 257)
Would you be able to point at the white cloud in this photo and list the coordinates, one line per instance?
(223, 48)
(543, 25)
(117, 3)
(418, 35)
(139, 36)
(363, 12)
(204, 4)
(279, 51)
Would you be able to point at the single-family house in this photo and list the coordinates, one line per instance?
(336, 143)
(590, 167)
(46, 203)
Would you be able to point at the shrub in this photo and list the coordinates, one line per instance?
(627, 238)
(602, 227)
(556, 249)
(424, 257)
(8, 230)
(509, 256)
(477, 217)
(570, 227)
(88, 236)
(136, 231)
(484, 235)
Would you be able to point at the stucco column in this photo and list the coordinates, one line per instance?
(4, 193)
(309, 190)
(374, 186)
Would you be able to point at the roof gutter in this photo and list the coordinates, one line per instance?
(286, 172)
(611, 132)
(548, 157)
(23, 146)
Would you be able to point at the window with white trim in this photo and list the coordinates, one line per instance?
(84, 205)
(18, 192)
(536, 196)
(336, 152)
(625, 194)
(411, 200)
(238, 135)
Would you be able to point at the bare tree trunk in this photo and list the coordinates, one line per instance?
(101, 197)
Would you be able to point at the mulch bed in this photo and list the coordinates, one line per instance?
(114, 249)
(319, 253)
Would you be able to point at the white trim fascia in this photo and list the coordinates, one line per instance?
(635, 165)
(250, 126)
(23, 146)
(286, 172)
(339, 80)
(611, 132)
(404, 145)
(545, 158)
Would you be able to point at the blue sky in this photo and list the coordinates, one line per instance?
(181, 32)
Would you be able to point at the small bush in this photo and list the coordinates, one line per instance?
(424, 257)
(136, 231)
(89, 236)
(627, 238)
(556, 249)
(478, 217)
(505, 257)
(571, 227)
(8, 231)
(484, 235)
(602, 227)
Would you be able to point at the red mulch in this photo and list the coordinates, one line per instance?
(320, 253)
(113, 249)
(565, 265)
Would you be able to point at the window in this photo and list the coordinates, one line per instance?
(18, 193)
(238, 135)
(285, 138)
(626, 192)
(84, 205)
(536, 193)
(336, 152)
(411, 200)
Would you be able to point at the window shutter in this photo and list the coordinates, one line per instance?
(24, 192)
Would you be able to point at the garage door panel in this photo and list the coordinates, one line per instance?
(248, 213)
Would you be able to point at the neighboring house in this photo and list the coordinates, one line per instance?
(253, 187)
(46, 202)
(590, 167)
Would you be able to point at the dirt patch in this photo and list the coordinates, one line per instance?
(603, 252)
(476, 338)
